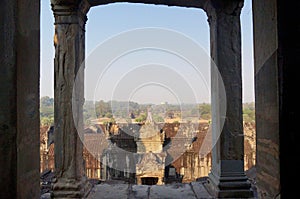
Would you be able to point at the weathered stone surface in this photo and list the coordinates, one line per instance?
(65, 129)
(266, 98)
(112, 190)
(276, 56)
(226, 53)
(109, 191)
(172, 191)
(19, 98)
(8, 108)
(226, 83)
(68, 121)
(46, 180)
(200, 191)
(140, 191)
(46, 196)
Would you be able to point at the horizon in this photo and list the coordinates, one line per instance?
(162, 103)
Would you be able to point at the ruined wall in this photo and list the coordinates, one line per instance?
(266, 97)
(19, 98)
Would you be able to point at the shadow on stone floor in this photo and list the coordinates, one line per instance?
(117, 189)
(113, 190)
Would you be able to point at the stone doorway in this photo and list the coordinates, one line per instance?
(149, 181)
(225, 180)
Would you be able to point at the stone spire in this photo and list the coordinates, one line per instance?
(149, 119)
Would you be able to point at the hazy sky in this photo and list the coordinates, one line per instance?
(171, 65)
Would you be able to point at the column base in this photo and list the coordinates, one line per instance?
(70, 188)
(229, 186)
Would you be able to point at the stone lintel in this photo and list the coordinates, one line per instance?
(191, 3)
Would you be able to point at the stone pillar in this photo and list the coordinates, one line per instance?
(206, 171)
(69, 41)
(160, 181)
(138, 180)
(209, 163)
(227, 178)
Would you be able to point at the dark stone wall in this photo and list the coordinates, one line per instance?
(19, 98)
(288, 65)
(266, 97)
(277, 50)
(8, 105)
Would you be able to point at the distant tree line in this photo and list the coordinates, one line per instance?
(138, 112)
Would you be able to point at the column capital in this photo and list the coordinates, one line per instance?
(70, 11)
(215, 8)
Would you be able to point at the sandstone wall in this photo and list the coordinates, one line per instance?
(267, 97)
(19, 98)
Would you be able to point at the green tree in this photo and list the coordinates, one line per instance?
(141, 118)
(47, 101)
(249, 112)
(102, 108)
(158, 118)
(46, 111)
(205, 111)
(47, 121)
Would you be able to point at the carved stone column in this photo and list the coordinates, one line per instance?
(160, 181)
(69, 41)
(138, 180)
(227, 178)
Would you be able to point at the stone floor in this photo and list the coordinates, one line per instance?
(122, 190)
(117, 190)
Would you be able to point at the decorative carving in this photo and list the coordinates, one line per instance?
(72, 13)
(151, 162)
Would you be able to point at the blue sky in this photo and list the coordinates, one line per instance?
(106, 21)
